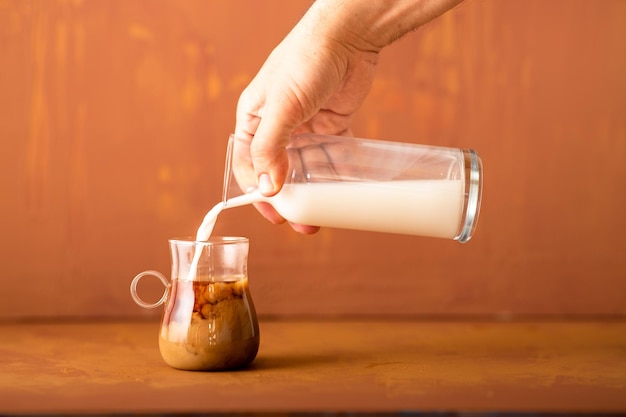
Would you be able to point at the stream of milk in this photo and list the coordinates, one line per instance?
(208, 223)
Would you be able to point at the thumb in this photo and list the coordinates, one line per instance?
(267, 149)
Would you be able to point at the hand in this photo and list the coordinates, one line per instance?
(317, 78)
(309, 83)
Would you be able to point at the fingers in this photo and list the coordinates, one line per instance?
(272, 215)
(269, 213)
(271, 163)
(304, 229)
(268, 153)
(267, 119)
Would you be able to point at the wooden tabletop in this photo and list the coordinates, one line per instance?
(332, 366)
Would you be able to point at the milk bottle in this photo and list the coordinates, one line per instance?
(370, 185)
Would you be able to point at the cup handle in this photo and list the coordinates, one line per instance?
(137, 298)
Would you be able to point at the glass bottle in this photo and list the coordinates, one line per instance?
(365, 184)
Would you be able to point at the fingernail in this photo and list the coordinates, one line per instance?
(265, 184)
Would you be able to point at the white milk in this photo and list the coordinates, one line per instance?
(203, 234)
(416, 207)
(208, 223)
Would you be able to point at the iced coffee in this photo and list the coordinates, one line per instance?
(209, 325)
(209, 322)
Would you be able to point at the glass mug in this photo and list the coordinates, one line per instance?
(209, 322)
(365, 184)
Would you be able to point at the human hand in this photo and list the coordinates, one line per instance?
(309, 83)
(316, 79)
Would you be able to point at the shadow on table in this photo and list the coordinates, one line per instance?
(291, 361)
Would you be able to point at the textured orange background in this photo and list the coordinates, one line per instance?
(113, 124)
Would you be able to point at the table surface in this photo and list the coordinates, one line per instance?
(322, 366)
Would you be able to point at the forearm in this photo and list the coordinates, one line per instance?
(371, 24)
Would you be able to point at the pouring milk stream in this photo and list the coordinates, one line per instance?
(208, 223)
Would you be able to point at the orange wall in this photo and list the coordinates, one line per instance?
(114, 117)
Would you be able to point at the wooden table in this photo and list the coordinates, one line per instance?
(332, 366)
